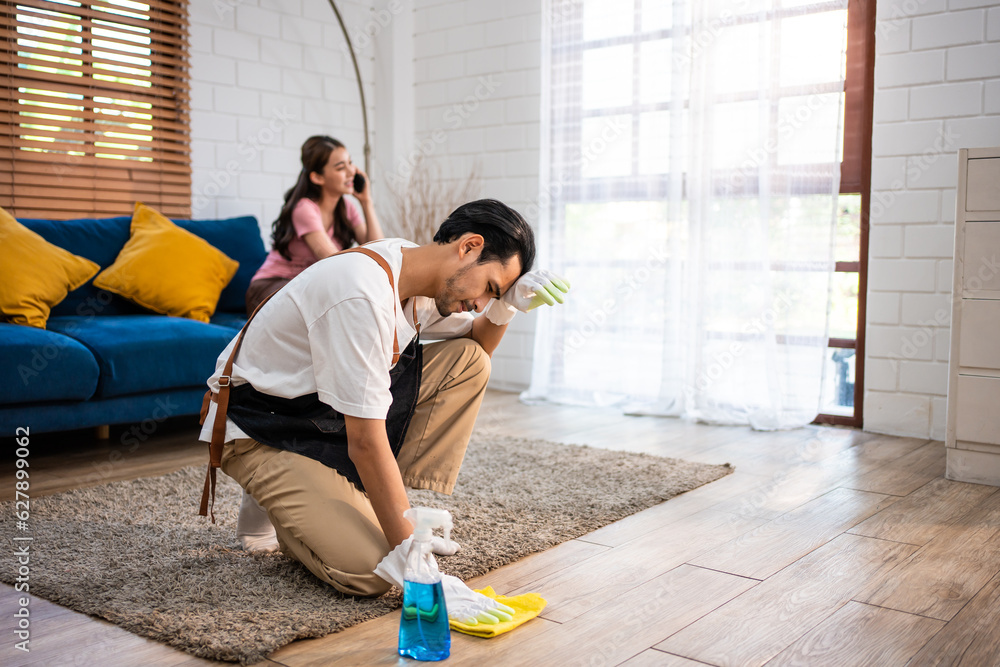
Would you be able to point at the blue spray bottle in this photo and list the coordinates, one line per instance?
(423, 625)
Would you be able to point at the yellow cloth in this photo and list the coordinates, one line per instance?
(34, 274)
(167, 269)
(525, 606)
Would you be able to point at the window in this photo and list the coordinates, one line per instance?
(714, 135)
(95, 107)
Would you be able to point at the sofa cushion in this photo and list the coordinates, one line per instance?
(35, 274)
(232, 320)
(139, 353)
(240, 239)
(39, 365)
(168, 269)
(99, 240)
(145, 413)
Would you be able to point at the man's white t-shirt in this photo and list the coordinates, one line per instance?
(330, 331)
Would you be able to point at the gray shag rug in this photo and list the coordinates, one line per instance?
(137, 554)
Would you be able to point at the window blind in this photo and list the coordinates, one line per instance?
(94, 109)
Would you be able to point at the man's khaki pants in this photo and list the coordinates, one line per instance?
(321, 519)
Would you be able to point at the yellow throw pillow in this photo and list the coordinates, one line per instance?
(167, 269)
(34, 274)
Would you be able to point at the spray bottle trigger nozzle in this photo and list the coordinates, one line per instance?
(426, 519)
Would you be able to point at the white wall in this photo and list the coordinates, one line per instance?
(268, 73)
(265, 75)
(477, 86)
(456, 80)
(937, 89)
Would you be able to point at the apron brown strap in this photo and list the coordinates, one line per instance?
(207, 507)
(221, 399)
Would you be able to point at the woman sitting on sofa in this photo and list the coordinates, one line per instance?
(315, 221)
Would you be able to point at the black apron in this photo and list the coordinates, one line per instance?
(307, 426)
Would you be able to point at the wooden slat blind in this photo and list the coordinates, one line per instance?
(94, 107)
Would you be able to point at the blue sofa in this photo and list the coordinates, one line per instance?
(104, 360)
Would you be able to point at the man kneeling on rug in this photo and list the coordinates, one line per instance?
(324, 419)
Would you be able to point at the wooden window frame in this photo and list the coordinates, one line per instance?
(855, 178)
(95, 110)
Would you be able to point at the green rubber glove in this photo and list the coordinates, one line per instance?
(471, 608)
(533, 289)
(526, 607)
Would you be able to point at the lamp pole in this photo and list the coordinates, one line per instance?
(361, 89)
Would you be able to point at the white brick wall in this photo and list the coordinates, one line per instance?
(937, 80)
(266, 74)
(477, 83)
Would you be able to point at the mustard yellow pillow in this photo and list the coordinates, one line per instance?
(34, 274)
(167, 269)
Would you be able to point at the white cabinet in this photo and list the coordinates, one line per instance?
(973, 436)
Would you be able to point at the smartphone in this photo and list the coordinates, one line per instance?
(359, 183)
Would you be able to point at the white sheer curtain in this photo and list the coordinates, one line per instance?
(690, 195)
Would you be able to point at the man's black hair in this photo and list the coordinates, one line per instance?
(503, 229)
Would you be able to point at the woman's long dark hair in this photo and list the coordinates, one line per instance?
(315, 154)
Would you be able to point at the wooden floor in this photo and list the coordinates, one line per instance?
(827, 546)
